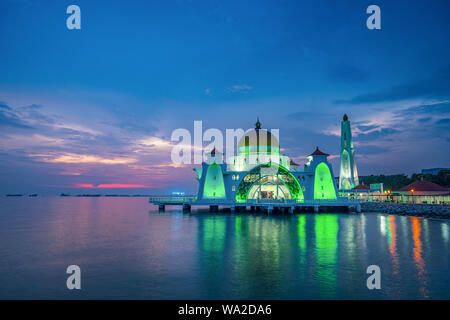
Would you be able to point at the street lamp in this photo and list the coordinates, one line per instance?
(412, 195)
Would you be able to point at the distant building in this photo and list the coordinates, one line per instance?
(377, 187)
(420, 187)
(348, 175)
(433, 171)
(416, 192)
(425, 192)
(363, 192)
(362, 187)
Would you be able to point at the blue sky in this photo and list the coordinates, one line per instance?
(97, 106)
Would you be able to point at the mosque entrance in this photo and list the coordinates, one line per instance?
(269, 187)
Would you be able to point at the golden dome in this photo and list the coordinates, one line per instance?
(259, 141)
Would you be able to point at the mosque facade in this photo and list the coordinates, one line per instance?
(260, 171)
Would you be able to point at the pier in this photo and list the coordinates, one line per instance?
(258, 205)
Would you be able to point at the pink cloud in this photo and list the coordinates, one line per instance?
(112, 185)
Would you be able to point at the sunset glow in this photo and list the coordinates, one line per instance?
(105, 186)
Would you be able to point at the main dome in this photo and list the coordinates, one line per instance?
(258, 141)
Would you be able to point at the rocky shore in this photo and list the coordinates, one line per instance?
(408, 209)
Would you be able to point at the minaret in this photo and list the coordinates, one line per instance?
(348, 175)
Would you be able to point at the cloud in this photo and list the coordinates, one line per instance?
(72, 127)
(82, 158)
(427, 109)
(9, 118)
(377, 134)
(364, 128)
(371, 149)
(243, 88)
(437, 86)
(156, 142)
(4, 106)
(445, 121)
(109, 185)
(422, 120)
(69, 173)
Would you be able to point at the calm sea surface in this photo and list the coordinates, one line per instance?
(128, 250)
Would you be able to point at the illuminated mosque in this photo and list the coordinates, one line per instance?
(259, 171)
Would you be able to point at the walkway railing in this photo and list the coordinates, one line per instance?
(171, 199)
(193, 200)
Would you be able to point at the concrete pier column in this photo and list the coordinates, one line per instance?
(214, 208)
(233, 208)
(291, 210)
(269, 210)
(186, 207)
(358, 208)
(161, 207)
(316, 209)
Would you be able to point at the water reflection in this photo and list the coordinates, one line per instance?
(211, 240)
(301, 235)
(256, 254)
(383, 225)
(393, 244)
(445, 232)
(301, 232)
(131, 253)
(362, 232)
(326, 231)
(417, 253)
(213, 234)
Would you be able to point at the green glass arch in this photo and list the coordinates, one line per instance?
(254, 175)
(323, 183)
(214, 186)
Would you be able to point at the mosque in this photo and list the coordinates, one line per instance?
(259, 176)
(259, 171)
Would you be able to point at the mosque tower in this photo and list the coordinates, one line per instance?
(348, 175)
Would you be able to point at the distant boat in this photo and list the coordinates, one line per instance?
(14, 195)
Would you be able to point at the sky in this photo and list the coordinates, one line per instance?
(93, 110)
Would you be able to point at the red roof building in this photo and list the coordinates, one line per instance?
(362, 187)
(424, 186)
(418, 188)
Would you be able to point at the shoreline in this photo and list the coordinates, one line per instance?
(441, 211)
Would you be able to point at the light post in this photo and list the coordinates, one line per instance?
(412, 195)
